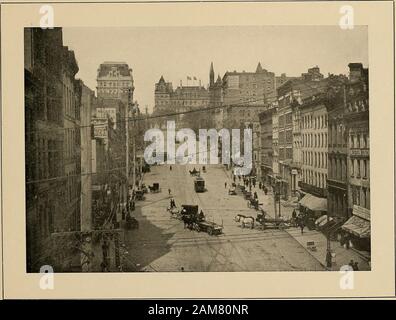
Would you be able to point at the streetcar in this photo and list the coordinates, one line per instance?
(199, 184)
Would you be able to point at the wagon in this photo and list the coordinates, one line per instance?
(210, 227)
(139, 194)
(268, 222)
(155, 188)
(232, 191)
(195, 172)
(253, 203)
(247, 195)
(192, 220)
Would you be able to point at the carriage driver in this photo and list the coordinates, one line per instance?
(201, 216)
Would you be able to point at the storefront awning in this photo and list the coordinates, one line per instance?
(314, 203)
(358, 227)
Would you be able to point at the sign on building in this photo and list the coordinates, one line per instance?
(110, 113)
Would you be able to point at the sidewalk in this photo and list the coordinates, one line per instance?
(342, 256)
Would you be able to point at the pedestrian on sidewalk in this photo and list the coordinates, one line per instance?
(347, 242)
(352, 264)
(355, 266)
(225, 185)
(260, 185)
(255, 195)
(170, 168)
(169, 191)
(302, 226)
(328, 259)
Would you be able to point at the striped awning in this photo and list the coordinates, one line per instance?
(314, 203)
(358, 227)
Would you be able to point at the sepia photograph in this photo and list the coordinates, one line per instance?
(197, 149)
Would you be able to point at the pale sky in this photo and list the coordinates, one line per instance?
(177, 52)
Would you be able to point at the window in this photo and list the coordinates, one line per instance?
(354, 201)
(357, 169)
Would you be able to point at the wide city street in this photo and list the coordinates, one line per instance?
(163, 244)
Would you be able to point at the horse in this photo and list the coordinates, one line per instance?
(174, 212)
(188, 221)
(244, 220)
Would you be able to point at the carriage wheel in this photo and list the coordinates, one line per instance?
(210, 231)
(196, 227)
(281, 226)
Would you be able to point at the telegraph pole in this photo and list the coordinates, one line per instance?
(127, 147)
(134, 147)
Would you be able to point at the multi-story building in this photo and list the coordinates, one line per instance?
(358, 156)
(314, 146)
(113, 80)
(52, 112)
(248, 88)
(275, 142)
(266, 145)
(44, 134)
(71, 143)
(182, 99)
(290, 96)
(337, 177)
(87, 98)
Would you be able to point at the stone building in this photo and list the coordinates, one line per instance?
(314, 146)
(52, 123)
(290, 95)
(182, 99)
(337, 176)
(87, 101)
(113, 80)
(358, 156)
(266, 145)
(72, 143)
(248, 88)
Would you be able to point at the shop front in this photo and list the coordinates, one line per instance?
(312, 208)
(358, 229)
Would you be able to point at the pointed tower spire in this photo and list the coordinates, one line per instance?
(259, 68)
(211, 75)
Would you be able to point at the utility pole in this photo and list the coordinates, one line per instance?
(127, 148)
(134, 146)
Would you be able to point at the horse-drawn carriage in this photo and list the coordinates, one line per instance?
(144, 188)
(232, 191)
(254, 203)
(247, 195)
(269, 222)
(194, 172)
(139, 195)
(245, 221)
(155, 188)
(194, 220)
